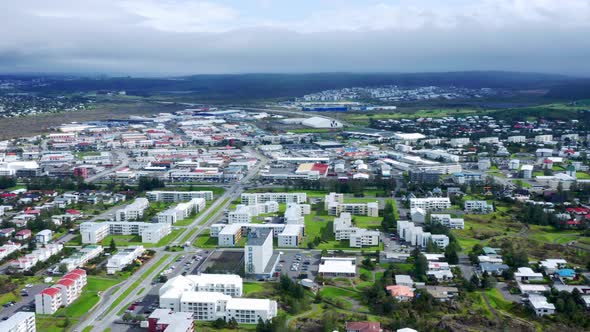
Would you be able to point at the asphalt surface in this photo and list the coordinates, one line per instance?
(27, 303)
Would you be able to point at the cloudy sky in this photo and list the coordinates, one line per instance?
(172, 37)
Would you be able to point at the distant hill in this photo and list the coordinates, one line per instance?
(260, 86)
(572, 90)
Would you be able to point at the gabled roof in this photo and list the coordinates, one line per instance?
(363, 326)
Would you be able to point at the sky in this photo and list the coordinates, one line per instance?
(180, 37)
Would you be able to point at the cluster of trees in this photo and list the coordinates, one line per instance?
(487, 281)
(326, 234)
(220, 324)
(47, 183)
(7, 182)
(452, 250)
(570, 308)
(292, 295)
(356, 187)
(389, 222)
(149, 183)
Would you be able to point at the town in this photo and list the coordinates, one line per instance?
(212, 218)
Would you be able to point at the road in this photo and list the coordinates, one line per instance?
(100, 317)
(120, 155)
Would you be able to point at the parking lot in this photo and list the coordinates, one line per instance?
(294, 263)
(189, 263)
(27, 303)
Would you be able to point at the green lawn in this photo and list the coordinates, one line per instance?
(204, 240)
(88, 298)
(367, 222)
(334, 292)
(45, 323)
(497, 300)
(135, 240)
(210, 214)
(582, 176)
(254, 287)
(185, 221)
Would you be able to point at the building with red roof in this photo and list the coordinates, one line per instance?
(23, 234)
(48, 301)
(363, 327)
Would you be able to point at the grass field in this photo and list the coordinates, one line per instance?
(204, 240)
(335, 292)
(368, 222)
(582, 176)
(254, 287)
(89, 297)
(497, 300)
(210, 214)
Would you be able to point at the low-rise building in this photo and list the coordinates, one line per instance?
(124, 257)
(334, 267)
(164, 320)
(540, 305)
(430, 203)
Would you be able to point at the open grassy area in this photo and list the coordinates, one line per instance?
(497, 300)
(89, 297)
(368, 222)
(210, 214)
(313, 130)
(135, 240)
(254, 287)
(336, 292)
(204, 240)
(203, 326)
(582, 176)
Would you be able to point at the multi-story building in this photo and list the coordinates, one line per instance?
(334, 204)
(258, 251)
(123, 257)
(19, 322)
(93, 232)
(291, 236)
(44, 236)
(430, 203)
(229, 235)
(282, 198)
(364, 238)
(181, 211)
(48, 301)
(133, 211)
(250, 311)
(446, 220)
(482, 207)
(459, 142)
(516, 139)
(82, 257)
(177, 196)
(171, 292)
(416, 236)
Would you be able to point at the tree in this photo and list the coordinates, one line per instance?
(420, 264)
(112, 245)
(63, 268)
(219, 324)
(32, 245)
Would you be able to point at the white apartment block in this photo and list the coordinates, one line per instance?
(62, 294)
(229, 235)
(181, 211)
(416, 236)
(294, 214)
(124, 257)
(430, 203)
(516, 139)
(358, 237)
(258, 251)
(291, 236)
(458, 142)
(178, 196)
(227, 284)
(478, 207)
(364, 238)
(93, 232)
(249, 311)
(489, 140)
(446, 220)
(244, 213)
(82, 257)
(543, 138)
(133, 211)
(334, 204)
(19, 322)
(282, 198)
(26, 262)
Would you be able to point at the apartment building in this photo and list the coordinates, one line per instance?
(44, 236)
(481, 207)
(82, 257)
(19, 322)
(364, 238)
(48, 301)
(42, 254)
(291, 236)
(516, 139)
(446, 220)
(181, 211)
(249, 311)
(430, 203)
(258, 251)
(229, 235)
(416, 236)
(227, 284)
(282, 198)
(334, 204)
(93, 232)
(178, 196)
(133, 211)
(124, 257)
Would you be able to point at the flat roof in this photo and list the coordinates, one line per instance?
(248, 304)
